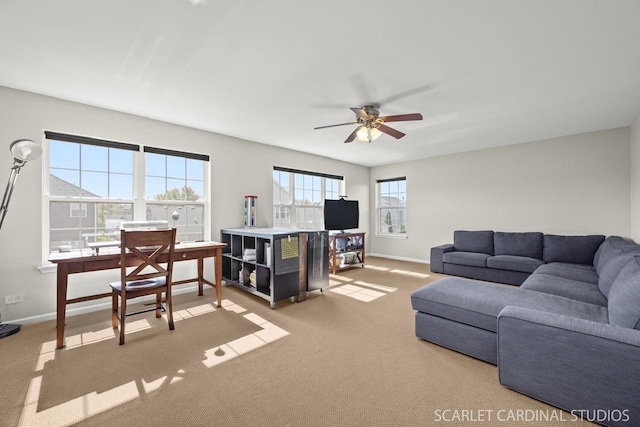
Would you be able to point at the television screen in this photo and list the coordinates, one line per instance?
(341, 214)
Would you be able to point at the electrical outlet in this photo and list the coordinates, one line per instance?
(12, 299)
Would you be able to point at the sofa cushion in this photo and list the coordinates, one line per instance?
(571, 249)
(579, 272)
(478, 304)
(624, 297)
(515, 263)
(612, 269)
(519, 244)
(473, 241)
(563, 287)
(608, 249)
(466, 258)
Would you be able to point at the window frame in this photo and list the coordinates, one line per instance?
(293, 206)
(138, 201)
(379, 207)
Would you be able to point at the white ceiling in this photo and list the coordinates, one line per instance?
(482, 73)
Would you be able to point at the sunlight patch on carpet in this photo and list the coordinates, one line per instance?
(235, 348)
(411, 273)
(374, 286)
(191, 312)
(375, 267)
(362, 294)
(90, 404)
(340, 278)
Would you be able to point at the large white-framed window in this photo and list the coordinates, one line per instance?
(391, 206)
(298, 197)
(92, 185)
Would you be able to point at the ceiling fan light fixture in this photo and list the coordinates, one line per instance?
(367, 134)
(363, 134)
(375, 133)
(371, 125)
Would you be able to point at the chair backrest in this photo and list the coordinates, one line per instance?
(147, 246)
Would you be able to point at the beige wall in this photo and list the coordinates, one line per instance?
(238, 168)
(635, 179)
(576, 184)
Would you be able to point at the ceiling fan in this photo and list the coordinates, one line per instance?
(372, 124)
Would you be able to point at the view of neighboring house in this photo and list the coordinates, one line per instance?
(65, 216)
(74, 224)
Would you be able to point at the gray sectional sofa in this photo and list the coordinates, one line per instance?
(509, 257)
(569, 336)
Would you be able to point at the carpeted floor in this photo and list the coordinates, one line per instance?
(345, 357)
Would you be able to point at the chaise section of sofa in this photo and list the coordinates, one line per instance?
(472, 306)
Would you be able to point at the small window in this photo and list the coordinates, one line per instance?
(392, 206)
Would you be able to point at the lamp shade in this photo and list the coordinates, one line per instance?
(374, 133)
(25, 150)
(362, 134)
(367, 134)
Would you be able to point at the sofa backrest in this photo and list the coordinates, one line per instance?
(473, 241)
(571, 249)
(518, 244)
(608, 249)
(612, 269)
(624, 297)
(612, 256)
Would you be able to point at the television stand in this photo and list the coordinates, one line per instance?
(346, 250)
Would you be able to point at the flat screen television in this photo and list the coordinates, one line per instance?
(341, 214)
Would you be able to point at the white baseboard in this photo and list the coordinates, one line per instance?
(92, 308)
(401, 258)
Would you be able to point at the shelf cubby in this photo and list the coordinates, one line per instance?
(236, 245)
(226, 238)
(263, 279)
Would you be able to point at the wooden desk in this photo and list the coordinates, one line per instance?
(109, 258)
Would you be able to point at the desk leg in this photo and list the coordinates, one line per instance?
(62, 281)
(200, 276)
(219, 276)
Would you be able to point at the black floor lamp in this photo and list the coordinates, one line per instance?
(23, 150)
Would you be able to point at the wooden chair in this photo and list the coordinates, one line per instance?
(146, 247)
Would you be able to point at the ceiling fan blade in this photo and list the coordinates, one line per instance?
(332, 126)
(402, 117)
(360, 113)
(352, 136)
(389, 131)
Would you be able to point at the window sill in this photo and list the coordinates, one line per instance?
(47, 268)
(392, 236)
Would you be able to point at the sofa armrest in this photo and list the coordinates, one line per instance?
(574, 364)
(437, 264)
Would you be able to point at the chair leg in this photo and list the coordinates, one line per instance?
(123, 318)
(114, 310)
(169, 308)
(158, 305)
